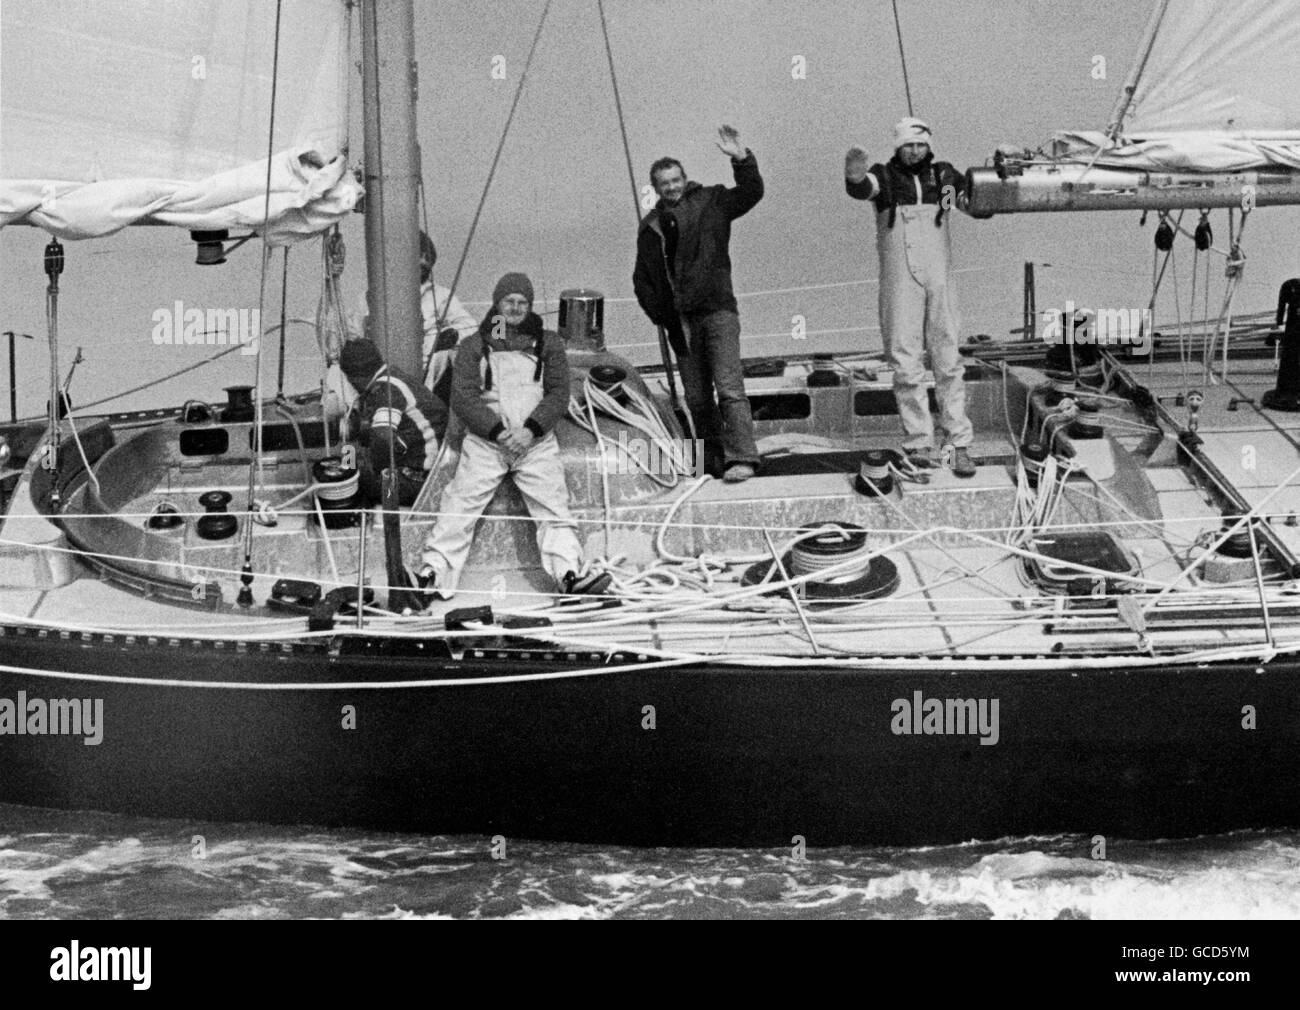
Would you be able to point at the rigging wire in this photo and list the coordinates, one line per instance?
(496, 158)
(284, 328)
(636, 200)
(907, 86)
(255, 464)
(1183, 335)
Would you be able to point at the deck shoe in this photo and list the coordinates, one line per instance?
(924, 458)
(593, 583)
(738, 472)
(962, 465)
(425, 584)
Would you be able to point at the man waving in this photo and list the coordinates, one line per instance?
(914, 196)
(683, 282)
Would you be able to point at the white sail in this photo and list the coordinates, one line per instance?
(156, 111)
(1217, 92)
(1219, 66)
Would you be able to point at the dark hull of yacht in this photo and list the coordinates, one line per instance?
(527, 746)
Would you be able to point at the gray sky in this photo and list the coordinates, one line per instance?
(560, 208)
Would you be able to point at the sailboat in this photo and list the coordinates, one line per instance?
(1097, 633)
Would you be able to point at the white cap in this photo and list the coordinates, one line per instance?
(911, 131)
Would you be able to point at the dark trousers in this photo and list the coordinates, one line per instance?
(713, 363)
(409, 481)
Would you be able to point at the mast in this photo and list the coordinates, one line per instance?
(392, 162)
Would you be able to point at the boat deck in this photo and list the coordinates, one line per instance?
(960, 591)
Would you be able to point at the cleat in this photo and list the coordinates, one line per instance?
(738, 472)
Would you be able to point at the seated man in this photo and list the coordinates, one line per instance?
(510, 387)
(446, 322)
(395, 417)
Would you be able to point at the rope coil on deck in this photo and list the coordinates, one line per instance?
(830, 545)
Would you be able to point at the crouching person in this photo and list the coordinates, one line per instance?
(394, 417)
(510, 387)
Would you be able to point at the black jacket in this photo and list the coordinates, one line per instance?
(893, 183)
(701, 280)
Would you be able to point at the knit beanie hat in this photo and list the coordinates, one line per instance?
(360, 360)
(512, 284)
(911, 131)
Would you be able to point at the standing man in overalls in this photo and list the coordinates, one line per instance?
(914, 196)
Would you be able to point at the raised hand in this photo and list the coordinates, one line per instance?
(729, 143)
(856, 164)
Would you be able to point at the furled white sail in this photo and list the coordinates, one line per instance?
(1189, 151)
(1218, 91)
(158, 111)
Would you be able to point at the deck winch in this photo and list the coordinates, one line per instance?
(239, 406)
(217, 523)
(609, 379)
(337, 492)
(1235, 559)
(1033, 455)
(842, 552)
(875, 476)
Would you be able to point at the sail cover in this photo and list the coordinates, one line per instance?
(1219, 92)
(159, 111)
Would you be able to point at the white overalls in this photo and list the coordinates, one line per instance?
(538, 473)
(918, 313)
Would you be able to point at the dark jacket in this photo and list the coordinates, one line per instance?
(1288, 304)
(469, 380)
(701, 277)
(893, 183)
(396, 406)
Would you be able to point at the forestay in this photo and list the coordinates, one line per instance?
(1219, 92)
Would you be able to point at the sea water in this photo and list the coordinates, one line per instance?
(77, 865)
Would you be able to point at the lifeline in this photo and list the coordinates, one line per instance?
(56, 717)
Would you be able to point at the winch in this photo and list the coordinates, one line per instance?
(337, 491)
(840, 548)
